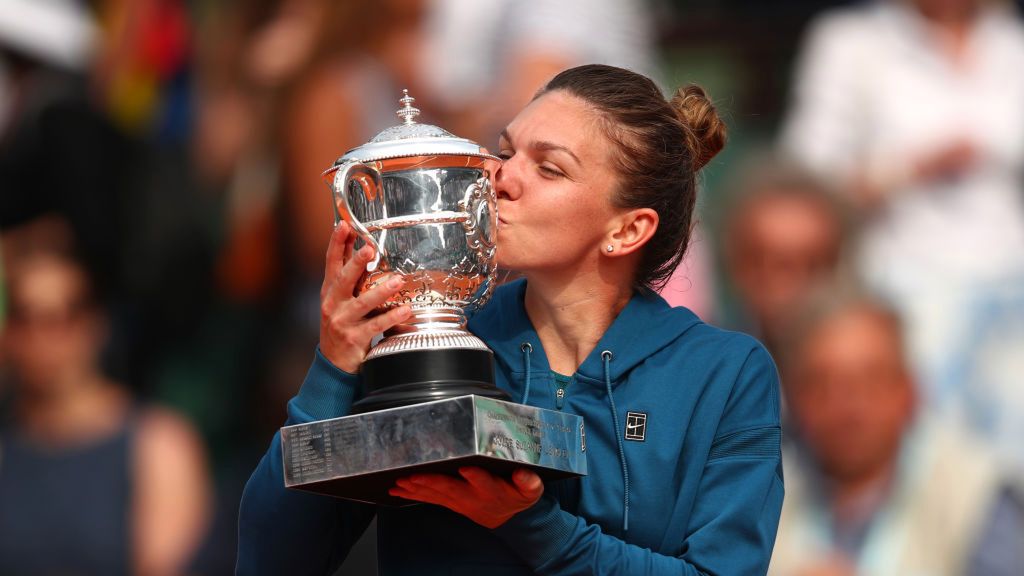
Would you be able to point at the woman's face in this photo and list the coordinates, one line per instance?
(53, 336)
(555, 186)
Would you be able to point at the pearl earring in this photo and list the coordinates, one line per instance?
(609, 248)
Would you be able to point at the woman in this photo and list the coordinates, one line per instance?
(595, 197)
(90, 481)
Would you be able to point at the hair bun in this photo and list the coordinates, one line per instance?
(704, 129)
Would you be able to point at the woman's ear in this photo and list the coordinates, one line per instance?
(632, 231)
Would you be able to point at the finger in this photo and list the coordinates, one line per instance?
(482, 480)
(435, 489)
(336, 254)
(376, 297)
(438, 483)
(388, 320)
(350, 243)
(400, 493)
(426, 497)
(487, 483)
(345, 281)
(528, 483)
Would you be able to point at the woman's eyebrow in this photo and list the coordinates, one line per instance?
(545, 145)
(542, 145)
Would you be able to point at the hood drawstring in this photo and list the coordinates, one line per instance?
(607, 357)
(526, 347)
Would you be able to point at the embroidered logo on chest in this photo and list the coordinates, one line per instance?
(636, 426)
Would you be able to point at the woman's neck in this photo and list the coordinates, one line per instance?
(90, 409)
(853, 497)
(570, 318)
(953, 31)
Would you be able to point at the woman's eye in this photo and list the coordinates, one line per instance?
(551, 172)
(504, 155)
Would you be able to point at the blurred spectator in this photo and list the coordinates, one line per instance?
(782, 235)
(482, 61)
(91, 482)
(875, 487)
(916, 108)
(129, 199)
(347, 93)
(141, 72)
(46, 120)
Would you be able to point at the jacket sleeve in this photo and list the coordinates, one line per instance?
(732, 525)
(282, 531)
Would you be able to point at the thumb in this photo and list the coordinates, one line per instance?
(528, 483)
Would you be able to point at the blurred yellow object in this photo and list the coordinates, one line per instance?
(133, 99)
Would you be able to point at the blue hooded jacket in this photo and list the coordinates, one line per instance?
(683, 456)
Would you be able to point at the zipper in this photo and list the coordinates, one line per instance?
(561, 383)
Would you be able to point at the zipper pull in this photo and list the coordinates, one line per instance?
(560, 397)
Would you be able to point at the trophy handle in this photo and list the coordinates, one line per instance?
(480, 206)
(370, 183)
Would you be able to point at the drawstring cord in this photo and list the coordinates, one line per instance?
(607, 357)
(526, 347)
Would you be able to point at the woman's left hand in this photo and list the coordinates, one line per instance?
(479, 495)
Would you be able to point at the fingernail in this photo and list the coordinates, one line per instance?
(394, 282)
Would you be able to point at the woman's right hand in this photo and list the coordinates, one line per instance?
(345, 329)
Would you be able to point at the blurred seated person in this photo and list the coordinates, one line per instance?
(91, 483)
(915, 108)
(875, 487)
(783, 234)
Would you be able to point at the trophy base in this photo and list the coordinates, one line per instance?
(359, 457)
(417, 376)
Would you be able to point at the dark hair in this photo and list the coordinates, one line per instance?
(661, 144)
(825, 303)
(770, 177)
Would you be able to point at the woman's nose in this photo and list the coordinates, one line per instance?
(505, 181)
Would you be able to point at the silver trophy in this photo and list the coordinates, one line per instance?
(423, 199)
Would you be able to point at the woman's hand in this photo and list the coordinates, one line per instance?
(479, 495)
(345, 329)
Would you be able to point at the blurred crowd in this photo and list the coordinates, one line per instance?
(163, 224)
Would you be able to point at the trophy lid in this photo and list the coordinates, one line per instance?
(411, 138)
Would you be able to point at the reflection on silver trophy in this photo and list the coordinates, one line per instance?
(423, 198)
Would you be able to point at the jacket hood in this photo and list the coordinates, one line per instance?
(646, 325)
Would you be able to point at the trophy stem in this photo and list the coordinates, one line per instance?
(416, 376)
(430, 328)
(437, 318)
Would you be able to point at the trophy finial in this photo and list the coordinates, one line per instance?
(407, 113)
